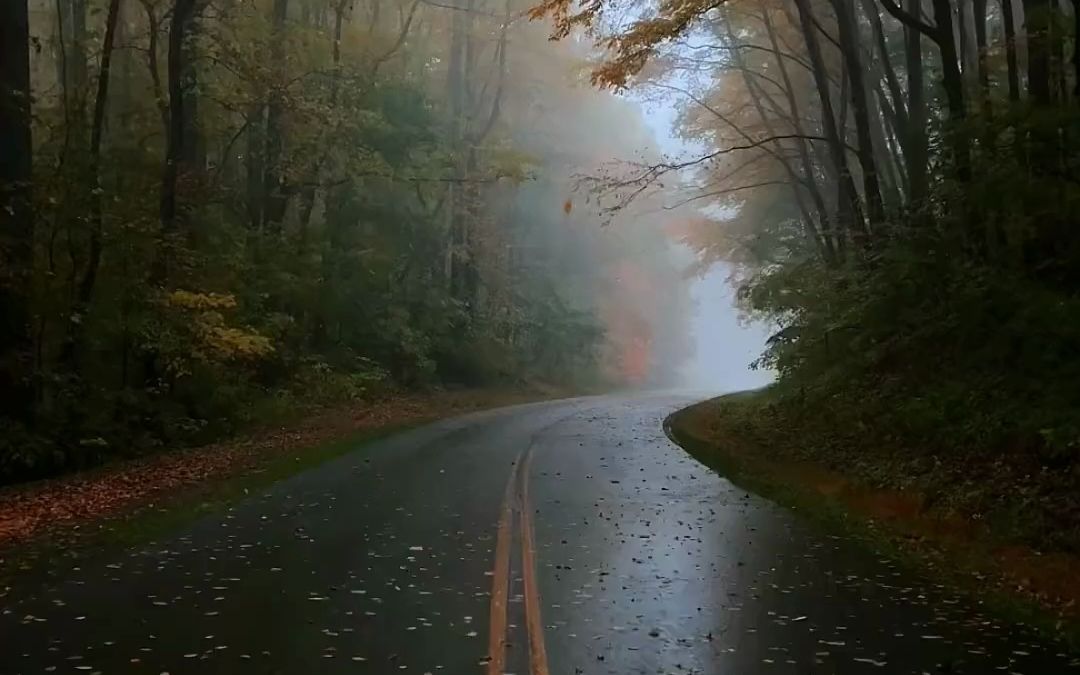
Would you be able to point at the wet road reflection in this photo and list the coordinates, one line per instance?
(384, 561)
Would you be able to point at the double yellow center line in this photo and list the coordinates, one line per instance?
(517, 493)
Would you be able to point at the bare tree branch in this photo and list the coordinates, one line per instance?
(725, 191)
(402, 35)
(910, 21)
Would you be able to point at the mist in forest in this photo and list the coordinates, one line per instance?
(220, 210)
(724, 345)
(723, 342)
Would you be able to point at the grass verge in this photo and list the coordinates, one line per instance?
(226, 474)
(1015, 581)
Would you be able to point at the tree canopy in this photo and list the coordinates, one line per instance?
(216, 211)
(895, 183)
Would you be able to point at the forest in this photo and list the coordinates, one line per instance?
(217, 212)
(895, 186)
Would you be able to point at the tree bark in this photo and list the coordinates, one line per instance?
(455, 73)
(274, 189)
(965, 34)
(943, 35)
(849, 47)
(890, 182)
(797, 184)
(72, 350)
(154, 31)
(308, 192)
(825, 227)
(1037, 28)
(982, 62)
(254, 166)
(952, 78)
(1057, 51)
(850, 207)
(870, 9)
(1076, 49)
(16, 213)
(177, 161)
(1009, 22)
(917, 148)
(77, 69)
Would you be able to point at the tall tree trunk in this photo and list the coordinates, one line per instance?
(944, 36)
(154, 31)
(77, 68)
(1037, 28)
(870, 9)
(826, 232)
(891, 132)
(455, 85)
(849, 47)
(952, 78)
(979, 16)
(274, 189)
(917, 148)
(1057, 51)
(72, 350)
(890, 181)
(254, 166)
(1076, 49)
(797, 184)
(850, 207)
(177, 149)
(969, 51)
(16, 213)
(193, 151)
(308, 191)
(1009, 22)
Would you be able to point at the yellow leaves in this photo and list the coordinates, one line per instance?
(228, 342)
(200, 301)
(210, 335)
(631, 48)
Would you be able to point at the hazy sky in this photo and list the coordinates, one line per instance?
(724, 345)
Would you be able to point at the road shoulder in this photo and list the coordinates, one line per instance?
(1040, 588)
(53, 523)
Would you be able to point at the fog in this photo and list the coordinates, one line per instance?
(723, 342)
(258, 204)
(724, 346)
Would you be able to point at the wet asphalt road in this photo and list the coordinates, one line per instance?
(387, 559)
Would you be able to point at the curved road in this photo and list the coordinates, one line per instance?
(558, 538)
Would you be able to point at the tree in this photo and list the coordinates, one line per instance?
(852, 217)
(73, 345)
(943, 35)
(1009, 26)
(980, 261)
(178, 149)
(157, 290)
(849, 47)
(16, 213)
(274, 189)
(1037, 15)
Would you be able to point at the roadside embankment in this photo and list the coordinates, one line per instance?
(755, 445)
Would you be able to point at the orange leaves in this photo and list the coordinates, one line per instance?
(567, 207)
(626, 313)
(632, 48)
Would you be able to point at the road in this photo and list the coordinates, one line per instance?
(557, 538)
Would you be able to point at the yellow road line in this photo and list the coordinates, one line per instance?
(537, 651)
(500, 583)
